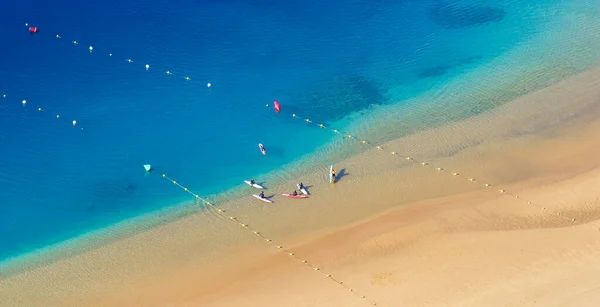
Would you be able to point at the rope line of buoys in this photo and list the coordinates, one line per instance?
(146, 65)
(425, 164)
(257, 233)
(25, 103)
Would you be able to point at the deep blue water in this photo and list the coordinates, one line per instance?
(322, 59)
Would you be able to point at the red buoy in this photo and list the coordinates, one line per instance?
(33, 30)
(276, 106)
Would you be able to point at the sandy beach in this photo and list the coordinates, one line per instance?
(501, 209)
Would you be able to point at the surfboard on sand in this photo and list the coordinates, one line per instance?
(263, 199)
(331, 174)
(294, 196)
(303, 190)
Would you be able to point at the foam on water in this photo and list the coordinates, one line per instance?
(329, 62)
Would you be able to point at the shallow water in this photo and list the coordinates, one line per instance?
(324, 61)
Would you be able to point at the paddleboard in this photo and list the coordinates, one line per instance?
(303, 190)
(256, 185)
(331, 173)
(262, 149)
(263, 199)
(294, 196)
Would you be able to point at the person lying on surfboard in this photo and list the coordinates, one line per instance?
(262, 149)
(262, 195)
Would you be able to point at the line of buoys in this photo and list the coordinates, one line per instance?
(257, 233)
(5, 98)
(422, 163)
(92, 49)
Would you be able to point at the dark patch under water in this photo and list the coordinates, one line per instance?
(442, 69)
(336, 97)
(108, 192)
(461, 17)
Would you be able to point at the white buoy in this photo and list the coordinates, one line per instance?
(129, 60)
(74, 122)
(148, 167)
(24, 101)
(57, 116)
(26, 24)
(110, 54)
(208, 85)
(91, 49)
(147, 66)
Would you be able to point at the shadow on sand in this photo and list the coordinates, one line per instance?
(341, 175)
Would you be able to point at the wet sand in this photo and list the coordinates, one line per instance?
(393, 230)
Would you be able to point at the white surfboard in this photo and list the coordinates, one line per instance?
(303, 190)
(331, 173)
(255, 185)
(263, 199)
(262, 149)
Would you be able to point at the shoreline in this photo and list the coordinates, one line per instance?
(148, 259)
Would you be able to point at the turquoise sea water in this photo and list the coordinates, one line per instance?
(326, 60)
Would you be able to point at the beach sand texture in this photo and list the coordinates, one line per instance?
(532, 238)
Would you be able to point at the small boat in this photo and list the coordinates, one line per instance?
(263, 199)
(262, 149)
(294, 196)
(254, 185)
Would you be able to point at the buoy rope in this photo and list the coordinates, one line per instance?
(5, 97)
(425, 164)
(266, 239)
(145, 65)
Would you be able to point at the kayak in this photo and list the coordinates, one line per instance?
(294, 196)
(255, 185)
(262, 149)
(303, 190)
(263, 199)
